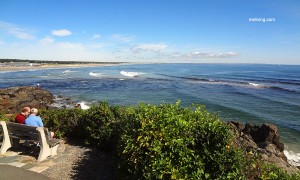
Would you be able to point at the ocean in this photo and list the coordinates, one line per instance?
(237, 92)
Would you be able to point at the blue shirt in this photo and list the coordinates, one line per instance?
(33, 120)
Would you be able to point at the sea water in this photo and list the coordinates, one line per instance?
(239, 92)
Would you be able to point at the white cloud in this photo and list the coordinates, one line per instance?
(18, 32)
(96, 36)
(122, 38)
(149, 47)
(200, 55)
(68, 45)
(46, 40)
(55, 51)
(61, 32)
(96, 45)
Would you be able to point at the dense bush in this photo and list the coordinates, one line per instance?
(169, 142)
(3, 117)
(162, 142)
(270, 171)
(101, 125)
(63, 122)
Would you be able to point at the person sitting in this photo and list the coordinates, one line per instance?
(35, 120)
(21, 117)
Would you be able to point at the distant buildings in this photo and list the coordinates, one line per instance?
(19, 64)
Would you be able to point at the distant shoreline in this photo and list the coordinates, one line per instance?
(50, 66)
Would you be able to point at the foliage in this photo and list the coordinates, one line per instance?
(4, 117)
(169, 142)
(63, 122)
(270, 171)
(101, 126)
(53, 61)
(163, 141)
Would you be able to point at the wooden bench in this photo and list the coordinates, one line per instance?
(10, 130)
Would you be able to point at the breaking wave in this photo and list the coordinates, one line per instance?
(131, 74)
(293, 158)
(68, 71)
(83, 105)
(96, 74)
(255, 85)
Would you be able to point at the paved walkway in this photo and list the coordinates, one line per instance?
(22, 161)
(11, 172)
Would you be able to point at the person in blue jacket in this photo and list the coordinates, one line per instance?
(35, 120)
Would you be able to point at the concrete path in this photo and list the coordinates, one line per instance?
(21, 163)
(15, 173)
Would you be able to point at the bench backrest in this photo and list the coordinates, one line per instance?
(22, 131)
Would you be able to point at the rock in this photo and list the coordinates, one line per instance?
(60, 102)
(271, 148)
(267, 133)
(263, 139)
(239, 125)
(279, 162)
(13, 99)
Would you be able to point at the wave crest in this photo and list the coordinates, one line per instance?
(96, 74)
(68, 71)
(293, 158)
(83, 106)
(131, 74)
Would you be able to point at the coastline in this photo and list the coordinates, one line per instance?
(52, 66)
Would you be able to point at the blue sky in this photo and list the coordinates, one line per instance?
(211, 31)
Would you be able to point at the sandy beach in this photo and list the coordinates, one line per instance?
(51, 66)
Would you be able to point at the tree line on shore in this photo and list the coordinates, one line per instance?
(53, 61)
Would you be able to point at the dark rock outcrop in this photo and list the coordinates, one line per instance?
(263, 139)
(13, 99)
(263, 135)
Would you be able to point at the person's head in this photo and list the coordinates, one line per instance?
(34, 111)
(26, 111)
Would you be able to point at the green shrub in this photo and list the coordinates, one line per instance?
(270, 171)
(162, 142)
(63, 122)
(4, 117)
(169, 142)
(101, 126)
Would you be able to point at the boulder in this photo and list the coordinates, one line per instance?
(263, 139)
(13, 99)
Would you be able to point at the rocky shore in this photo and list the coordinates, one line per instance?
(13, 99)
(264, 140)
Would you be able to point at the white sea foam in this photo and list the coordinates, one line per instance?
(293, 158)
(131, 74)
(96, 74)
(254, 84)
(68, 71)
(83, 105)
(60, 102)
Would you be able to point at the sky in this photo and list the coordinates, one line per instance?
(152, 31)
